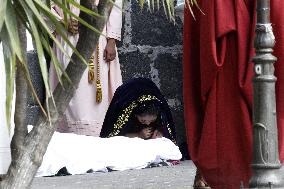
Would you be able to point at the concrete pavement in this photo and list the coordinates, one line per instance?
(179, 177)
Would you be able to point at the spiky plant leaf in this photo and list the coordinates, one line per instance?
(10, 67)
(2, 12)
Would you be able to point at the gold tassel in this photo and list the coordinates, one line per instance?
(99, 93)
(91, 73)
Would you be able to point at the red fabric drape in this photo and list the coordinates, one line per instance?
(218, 47)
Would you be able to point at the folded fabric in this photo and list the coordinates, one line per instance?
(79, 153)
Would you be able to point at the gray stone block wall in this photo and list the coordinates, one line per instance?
(151, 47)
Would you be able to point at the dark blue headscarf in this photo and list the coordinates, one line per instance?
(132, 94)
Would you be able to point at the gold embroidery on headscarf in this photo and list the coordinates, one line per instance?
(170, 131)
(123, 118)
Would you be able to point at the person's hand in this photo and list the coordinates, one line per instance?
(146, 133)
(110, 52)
(156, 134)
(73, 26)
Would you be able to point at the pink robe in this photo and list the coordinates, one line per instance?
(84, 115)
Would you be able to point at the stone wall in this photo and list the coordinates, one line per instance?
(151, 47)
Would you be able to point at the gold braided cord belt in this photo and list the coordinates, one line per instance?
(91, 75)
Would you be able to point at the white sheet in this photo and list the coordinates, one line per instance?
(80, 153)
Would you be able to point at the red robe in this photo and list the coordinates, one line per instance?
(218, 48)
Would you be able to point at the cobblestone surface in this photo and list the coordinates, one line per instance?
(179, 177)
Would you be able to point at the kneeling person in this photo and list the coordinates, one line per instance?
(138, 109)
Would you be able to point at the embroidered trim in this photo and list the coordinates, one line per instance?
(170, 131)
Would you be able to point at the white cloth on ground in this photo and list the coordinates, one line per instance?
(80, 153)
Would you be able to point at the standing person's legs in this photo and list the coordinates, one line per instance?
(199, 181)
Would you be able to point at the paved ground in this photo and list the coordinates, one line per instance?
(175, 177)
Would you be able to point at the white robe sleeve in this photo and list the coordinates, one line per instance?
(114, 24)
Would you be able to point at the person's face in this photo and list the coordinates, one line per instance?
(146, 119)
